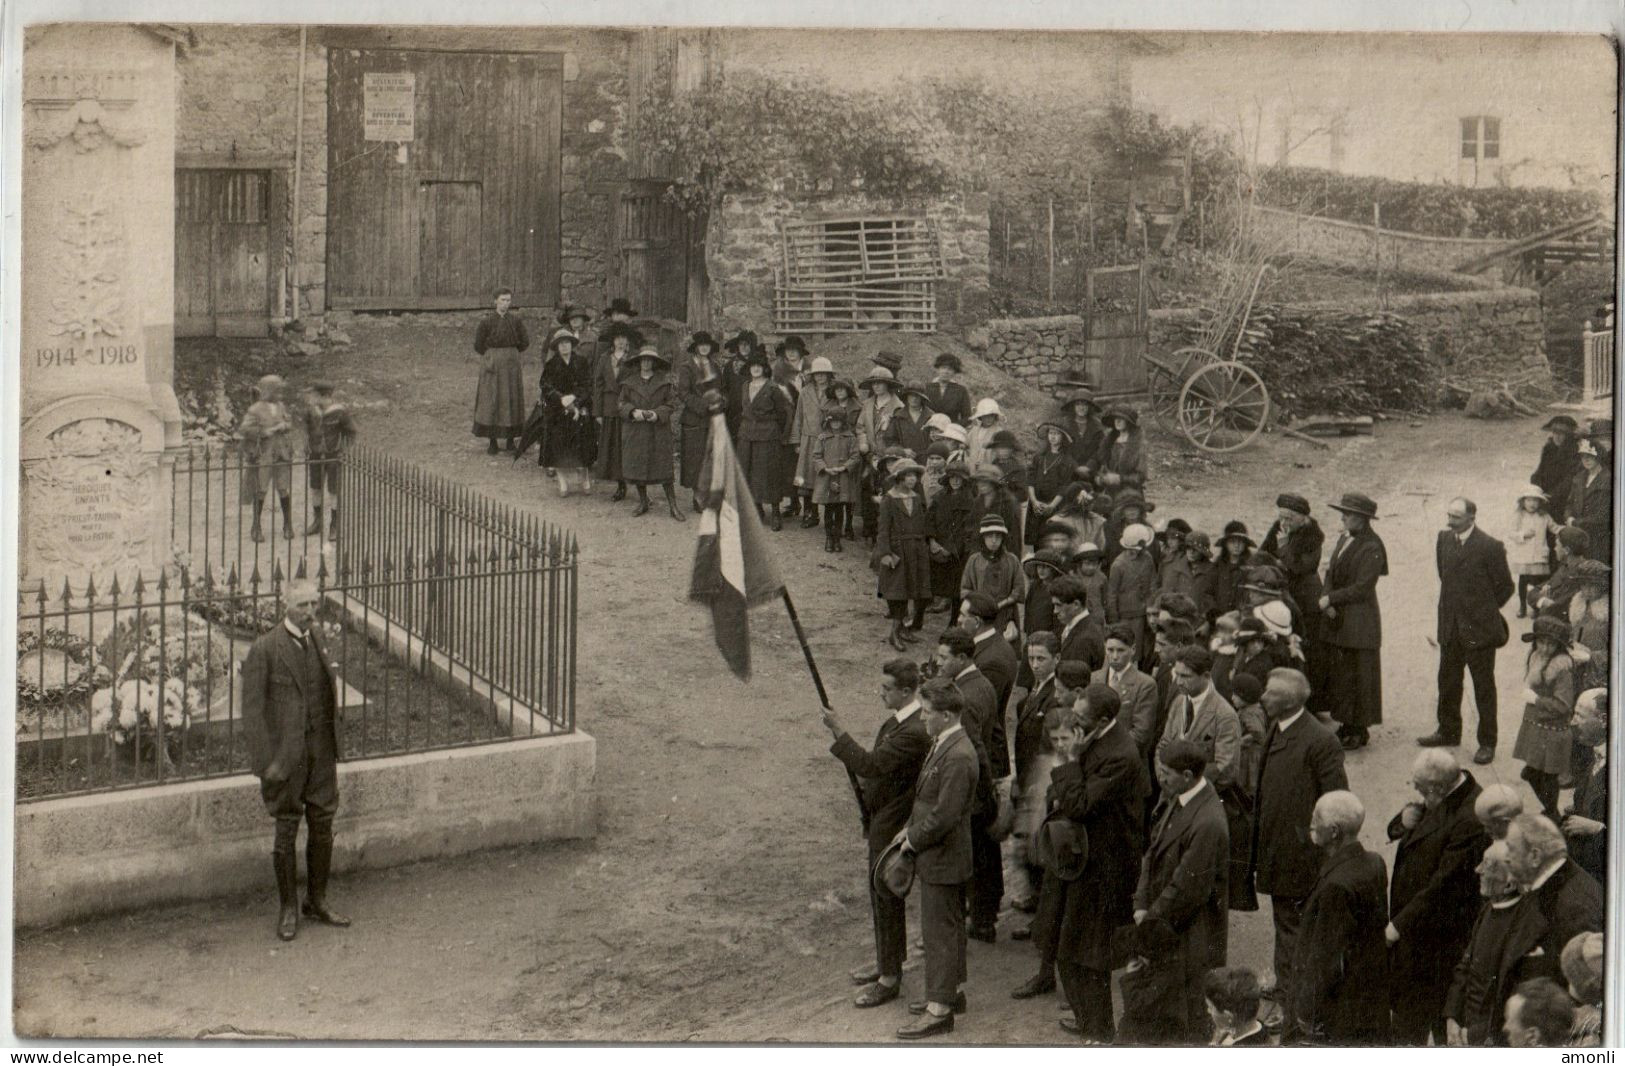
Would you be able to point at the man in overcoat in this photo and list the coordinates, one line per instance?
(1340, 974)
(1350, 626)
(1560, 900)
(1100, 789)
(1474, 584)
(1301, 762)
(1474, 1000)
(979, 719)
(938, 834)
(1184, 877)
(1434, 894)
(289, 717)
(886, 773)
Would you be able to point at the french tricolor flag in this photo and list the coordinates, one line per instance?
(733, 570)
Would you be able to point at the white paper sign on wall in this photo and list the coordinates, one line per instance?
(388, 103)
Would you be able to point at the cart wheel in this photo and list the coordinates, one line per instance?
(1223, 407)
(1165, 380)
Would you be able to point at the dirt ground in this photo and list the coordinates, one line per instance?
(723, 899)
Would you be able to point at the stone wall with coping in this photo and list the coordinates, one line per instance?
(744, 248)
(1337, 241)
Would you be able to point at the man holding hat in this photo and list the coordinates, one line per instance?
(887, 774)
(938, 833)
(1351, 622)
(944, 394)
(1559, 461)
(1474, 584)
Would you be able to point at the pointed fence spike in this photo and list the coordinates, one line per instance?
(140, 585)
(67, 591)
(113, 590)
(163, 581)
(276, 572)
(43, 599)
(321, 570)
(254, 578)
(232, 580)
(301, 573)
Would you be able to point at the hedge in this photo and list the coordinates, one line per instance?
(1437, 210)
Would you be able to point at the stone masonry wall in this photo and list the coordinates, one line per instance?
(1366, 246)
(744, 249)
(238, 97)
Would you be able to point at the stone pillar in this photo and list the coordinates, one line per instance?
(100, 423)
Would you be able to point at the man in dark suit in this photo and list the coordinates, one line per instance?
(1077, 628)
(887, 775)
(1301, 762)
(997, 661)
(1585, 824)
(1184, 877)
(1350, 627)
(1434, 894)
(980, 720)
(1474, 584)
(1034, 758)
(1340, 973)
(938, 833)
(945, 395)
(1100, 789)
(1560, 900)
(1474, 999)
(289, 718)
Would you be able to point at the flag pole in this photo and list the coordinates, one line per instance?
(823, 695)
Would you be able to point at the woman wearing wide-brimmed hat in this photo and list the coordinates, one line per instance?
(1080, 414)
(764, 414)
(1590, 503)
(647, 400)
(907, 428)
(1559, 461)
(569, 440)
(808, 424)
(902, 554)
(952, 535)
(1048, 472)
(1529, 553)
(696, 375)
(613, 363)
(1122, 460)
(1231, 561)
(266, 433)
(1351, 621)
(1544, 740)
(880, 405)
(740, 348)
(790, 375)
(499, 401)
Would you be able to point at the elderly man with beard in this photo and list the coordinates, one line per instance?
(1472, 1006)
(1434, 893)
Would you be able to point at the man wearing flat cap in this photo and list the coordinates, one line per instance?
(1351, 622)
(289, 717)
(887, 774)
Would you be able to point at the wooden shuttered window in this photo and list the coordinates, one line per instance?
(846, 275)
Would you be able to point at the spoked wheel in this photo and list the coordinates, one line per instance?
(1167, 377)
(1223, 407)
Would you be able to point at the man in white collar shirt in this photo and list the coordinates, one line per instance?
(887, 774)
(939, 835)
(1301, 762)
(981, 720)
(1474, 1002)
(1198, 713)
(1137, 689)
(289, 718)
(1560, 900)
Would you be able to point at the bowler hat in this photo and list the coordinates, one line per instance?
(1358, 504)
(702, 338)
(1045, 427)
(743, 337)
(983, 606)
(888, 359)
(792, 343)
(1562, 422)
(1291, 501)
(949, 360)
(570, 311)
(1062, 846)
(1553, 629)
(620, 305)
(992, 524)
(1051, 559)
(1004, 438)
(893, 872)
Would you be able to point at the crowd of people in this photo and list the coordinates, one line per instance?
(1127, 728)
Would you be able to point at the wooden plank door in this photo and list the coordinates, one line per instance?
(227, 251)
(194, 253)
(450, 262)
(653, 233)
(1115, 329)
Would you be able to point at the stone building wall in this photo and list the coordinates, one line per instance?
(237, 99)
(743, 250)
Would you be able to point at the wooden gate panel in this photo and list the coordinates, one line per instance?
(449, 246)
(653, 234)
(1116, 329)
(229, 240)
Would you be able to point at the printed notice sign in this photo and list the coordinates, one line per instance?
(388, 101)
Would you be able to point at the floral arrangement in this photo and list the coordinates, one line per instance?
(134, 708)
(244, 612)
(54, 665)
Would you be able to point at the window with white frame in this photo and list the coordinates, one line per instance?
(1480, 148)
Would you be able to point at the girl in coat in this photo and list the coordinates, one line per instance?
(880, 406)
(647, 401)
(902, 555)
(1048, 474)
(623, 340)
(1543, 739)
(809, 426)
(697, 374)
(835, 463)
(764, 412)
(842, 396)
(1123, 460)
(995, 571)
(951, 532)
(1529, 554)
(979, 439)
(568, 445)
(1230, 566)
(740, 348)
(1131, 582)
(789, 374)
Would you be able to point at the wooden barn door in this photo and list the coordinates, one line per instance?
(228, 251)
(443, 178)
(1116, 329)
(653, 236)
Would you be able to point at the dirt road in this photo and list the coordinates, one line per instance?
(723, 899)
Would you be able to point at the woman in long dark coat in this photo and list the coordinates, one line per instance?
(499, 401)
(698, 373)
(902, 555)
(647, 401)
(1049, 472)
(622, 340)
(907, 428)
(1351, 622)
(951, 536)
(1590, 503)
(1559, 461)
(568, 445)
(764, 412)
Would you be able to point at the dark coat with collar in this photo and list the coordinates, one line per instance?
(1591, 801)
(1103, 792)
(949, 398)
(1185, 880)
(1299, 552)
(1474, 583)
(1434, 895)
(1032, 720)
(997, 661)
(1297, 768)
(887, 774)
(1351, 587)
(1085, 643)
(939, 823)
(1558, 465)
(1340, 967)
(1591, 507)
(273, 701)
(980, 719)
